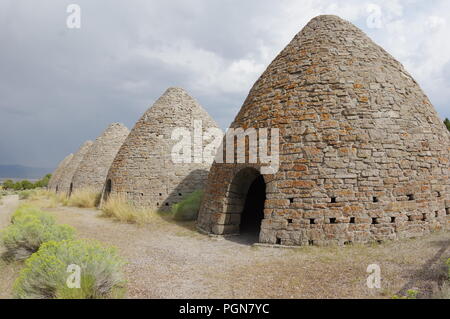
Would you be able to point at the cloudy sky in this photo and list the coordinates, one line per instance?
(61, 86)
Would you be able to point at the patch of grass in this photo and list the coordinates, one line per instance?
(25, 194)
(119, 208)
(25, 210)
(47, 272)
(84, 198)
(410, 294)
(187, 209)
(30, 229)
(46, 199)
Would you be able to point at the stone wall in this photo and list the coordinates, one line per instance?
(92, 171)
(363, 154)
(65, 181)
(143, 171)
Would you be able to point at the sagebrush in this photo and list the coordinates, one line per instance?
(29, 230)
(46, 272)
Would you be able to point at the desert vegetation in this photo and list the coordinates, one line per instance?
(45, 273)
(26, 184)
(187, 209)
(120, 208)
(31, 228)
(447, 123)
(84, 198)
(49, 250)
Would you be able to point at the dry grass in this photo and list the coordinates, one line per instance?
(119, 208)
(84, 198)
(43, 198)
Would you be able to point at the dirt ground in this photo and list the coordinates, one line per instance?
(168, 260)
(8, 271)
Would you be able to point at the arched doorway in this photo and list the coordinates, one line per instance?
(247, 195)
(253, 213)
(108, 189)
(71, 189)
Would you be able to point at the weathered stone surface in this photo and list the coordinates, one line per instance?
(143, 170)
(364, 155)
(92, 171)
(56, 176)
(65, 182)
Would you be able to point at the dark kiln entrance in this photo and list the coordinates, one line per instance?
(253, 212)
(247, 198)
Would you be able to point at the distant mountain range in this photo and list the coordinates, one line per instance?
(23, 172)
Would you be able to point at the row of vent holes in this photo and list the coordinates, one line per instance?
(179, 194)
(411, 197)
(312, 221)
(166, 204)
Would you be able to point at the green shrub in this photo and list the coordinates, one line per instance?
(188, 208)
(30, 229)
(447, 123)
(25, 184)
(8, 184)
(25, 194)
(27, 210)
(46, 272)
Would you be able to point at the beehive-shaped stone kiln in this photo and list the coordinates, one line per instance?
(56, 175)
(143, 171)
(92, 171)
(65, 185)
(363, 154)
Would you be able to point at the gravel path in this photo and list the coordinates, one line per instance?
(8, 271)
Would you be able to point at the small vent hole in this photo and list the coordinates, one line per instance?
(290, 221)
(410, 218)
(410, 196)
(332, 220)
(312, 221)
(392, 220)
(311, 242)
(333, 200)
(375, 199)
(374, 221)
(424, 217)
(291, 200)
(278, 241)
(352, 220)
(436, 214)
